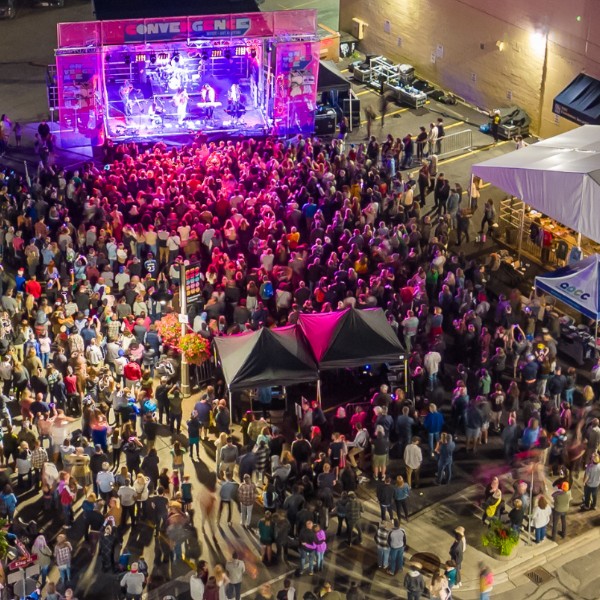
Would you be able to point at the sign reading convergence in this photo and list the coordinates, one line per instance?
(201, 28)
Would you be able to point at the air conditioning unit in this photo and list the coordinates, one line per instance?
(358, 28)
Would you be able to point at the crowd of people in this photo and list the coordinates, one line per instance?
(91, 261)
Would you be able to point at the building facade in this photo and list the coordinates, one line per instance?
(490, 53)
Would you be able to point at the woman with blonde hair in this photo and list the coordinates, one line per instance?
(141, 485)
(540, 517)
(114, 513)
(221, 441)
(439, 588)
(222, 581)
(588, 394)
(80, 468)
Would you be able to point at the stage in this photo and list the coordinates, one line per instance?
(238, 75)
(221, 88)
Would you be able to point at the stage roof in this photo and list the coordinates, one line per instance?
(106, 10)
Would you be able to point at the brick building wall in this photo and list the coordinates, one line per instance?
(491, 53)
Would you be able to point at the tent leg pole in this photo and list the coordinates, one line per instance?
(230, 406)
(319, 391)
(471, 189)
(521, 232)
(596, 339)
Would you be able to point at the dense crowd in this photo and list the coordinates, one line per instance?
(91, 261)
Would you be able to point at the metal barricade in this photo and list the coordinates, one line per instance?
(454, 143)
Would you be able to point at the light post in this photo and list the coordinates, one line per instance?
(183, 319)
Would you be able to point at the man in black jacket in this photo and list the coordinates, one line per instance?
(385, 497)
(306, 539)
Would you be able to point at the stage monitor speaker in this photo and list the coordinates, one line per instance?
(355, 111)
(325, 121)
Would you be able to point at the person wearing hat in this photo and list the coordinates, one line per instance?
(413, 581)
(133, 583)
(562, 500)
(591, 481)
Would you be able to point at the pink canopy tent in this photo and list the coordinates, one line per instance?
(350, 338)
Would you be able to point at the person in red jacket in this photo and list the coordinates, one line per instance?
(133, 374)
(33, 287)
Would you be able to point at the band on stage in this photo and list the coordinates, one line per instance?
(156, 110)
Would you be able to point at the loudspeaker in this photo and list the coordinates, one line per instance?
(325, 122)
(355, 111)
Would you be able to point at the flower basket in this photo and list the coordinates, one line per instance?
(195, 348)
(169, 329)
(500, 539)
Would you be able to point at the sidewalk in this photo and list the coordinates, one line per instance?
(431, 532)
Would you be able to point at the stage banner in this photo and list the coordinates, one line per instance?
(222, 26)
(79, 35)
(172, 29)
(80, 111)
(295, 22)
(296, 74)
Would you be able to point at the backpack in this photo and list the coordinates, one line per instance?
(266, 290)
(66, 499)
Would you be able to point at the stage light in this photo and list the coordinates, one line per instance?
(205, 54)
(107, 59)
(176, 57)
(153, 59)
(253, 53)
(127, 59)
(228, 54)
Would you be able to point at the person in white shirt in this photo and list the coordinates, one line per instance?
(413, 457)
(104, 482)
(235, 569)
(173, 244)
(196, 583)
(6, 374)
(122, 279)
(94, 354)
(358, 444)
(133, 581)
(432, 138)
(431, 362)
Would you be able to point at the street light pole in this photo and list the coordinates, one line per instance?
(183, 319)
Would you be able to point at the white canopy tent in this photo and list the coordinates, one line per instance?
(559, 177)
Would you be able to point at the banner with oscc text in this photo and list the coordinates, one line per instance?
(578, 288)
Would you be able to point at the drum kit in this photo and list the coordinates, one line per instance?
(170, 78)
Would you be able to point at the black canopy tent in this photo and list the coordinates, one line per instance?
(333, 89)
(330, 78)
(580, 101)
(351, 338)
(266, 357)
(294, 354)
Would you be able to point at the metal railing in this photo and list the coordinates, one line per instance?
(455, 143)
